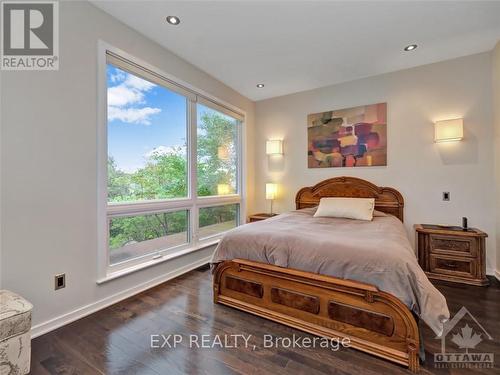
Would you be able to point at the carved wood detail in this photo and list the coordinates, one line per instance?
(387, 199)
(295, 300)
(382, 325)
(361, 318)
(453, 245)
(244, 286)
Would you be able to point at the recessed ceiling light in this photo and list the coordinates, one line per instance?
(260, 85)
(173, 20)
(411, 47)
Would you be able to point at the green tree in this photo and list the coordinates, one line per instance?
(124, 230)
(216, 132)
(118, 182)
(163, 177)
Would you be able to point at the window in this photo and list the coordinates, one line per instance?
(217, 136)
(147, 134)
(218, 219)
(172, 178)
(135, 236)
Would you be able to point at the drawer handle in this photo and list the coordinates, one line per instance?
(450, 265)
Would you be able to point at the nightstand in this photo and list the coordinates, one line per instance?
(452, 254)
(259, 217)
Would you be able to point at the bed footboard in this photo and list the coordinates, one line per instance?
(375, 322)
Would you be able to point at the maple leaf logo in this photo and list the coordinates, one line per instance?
(467, 340)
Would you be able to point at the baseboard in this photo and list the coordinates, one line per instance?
(493, 272)
(81, 312)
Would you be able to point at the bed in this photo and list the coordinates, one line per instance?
(336, 278)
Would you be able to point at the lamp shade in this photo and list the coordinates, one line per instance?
(274, 146)
(449, 130)
(271, 191)
(223, 153)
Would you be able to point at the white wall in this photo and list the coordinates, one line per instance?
(496, 115)
(417, 167)
(48, 167)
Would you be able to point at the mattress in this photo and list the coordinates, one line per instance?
(375, 252)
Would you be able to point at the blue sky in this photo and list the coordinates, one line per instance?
(142, 117)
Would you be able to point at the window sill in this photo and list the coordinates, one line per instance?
(153, 262)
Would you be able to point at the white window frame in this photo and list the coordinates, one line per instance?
(192, 202)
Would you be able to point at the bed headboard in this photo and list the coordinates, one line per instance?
(387, 199)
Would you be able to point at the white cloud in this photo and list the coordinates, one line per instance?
(124, 99)
(120, 96)
(118, 76)
(132, 115)
(138, 83)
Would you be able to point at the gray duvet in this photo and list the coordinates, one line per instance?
(375, 252)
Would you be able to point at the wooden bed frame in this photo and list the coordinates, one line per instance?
(376, 322)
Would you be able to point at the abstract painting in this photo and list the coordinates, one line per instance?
(351, 137)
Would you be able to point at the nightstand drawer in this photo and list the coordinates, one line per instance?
(453, 245)
(454, 266)
(450, 254)
(259, 217)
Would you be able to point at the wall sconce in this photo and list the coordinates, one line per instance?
(223, 189)
(274, 146)
(449, 130)
(271, 192)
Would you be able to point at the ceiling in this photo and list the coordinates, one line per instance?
(300, 45)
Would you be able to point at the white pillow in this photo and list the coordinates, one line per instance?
(350, 208)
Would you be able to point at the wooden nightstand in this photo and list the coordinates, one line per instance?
(452, 254)
(259, 217)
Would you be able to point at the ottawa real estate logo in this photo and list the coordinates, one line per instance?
(30, 35)
(461, 341)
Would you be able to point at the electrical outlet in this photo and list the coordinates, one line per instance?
(60, 281)
(446, 195)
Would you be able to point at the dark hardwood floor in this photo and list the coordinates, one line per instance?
(117, 340)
